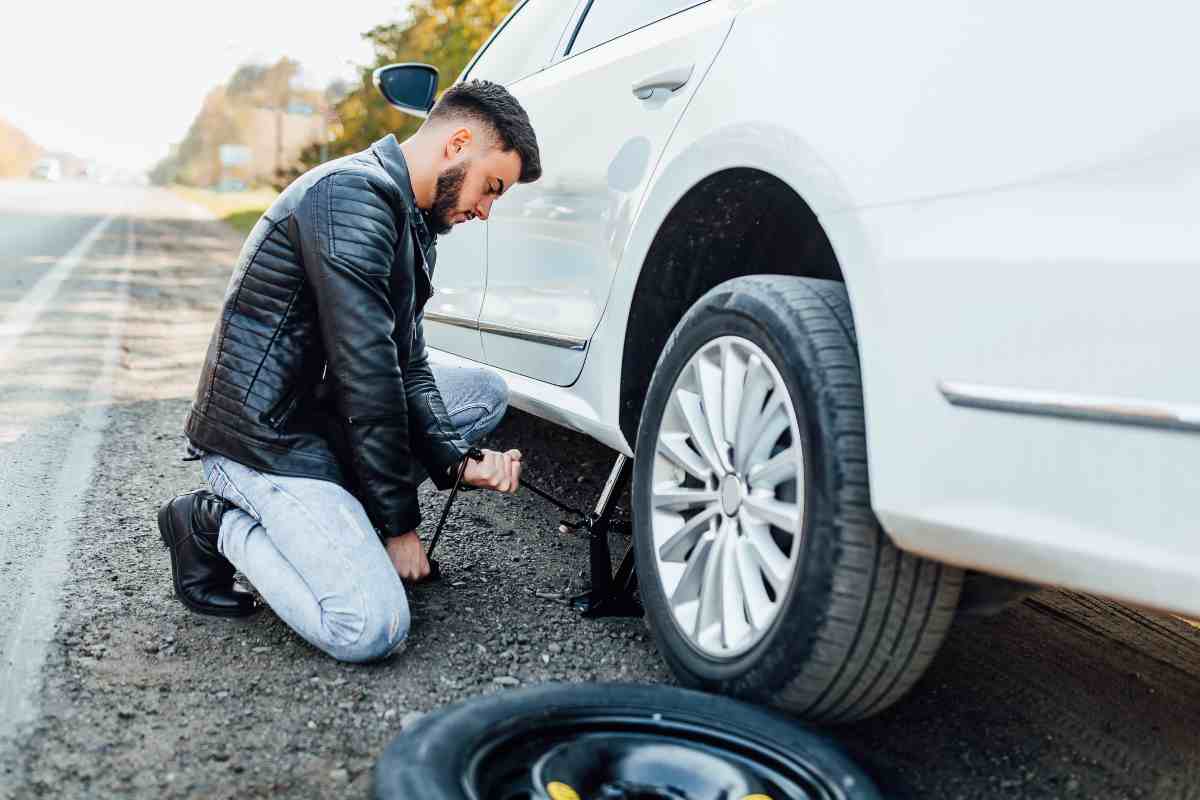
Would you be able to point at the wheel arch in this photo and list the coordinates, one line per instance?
(733, 222)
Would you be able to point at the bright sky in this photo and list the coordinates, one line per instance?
(120, 80)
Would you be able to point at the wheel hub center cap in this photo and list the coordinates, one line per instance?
(731, 494)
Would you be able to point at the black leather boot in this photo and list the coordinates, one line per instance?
(203, 577)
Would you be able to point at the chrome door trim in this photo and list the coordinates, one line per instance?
(531, 335)
(450, 319)
(1117, 411)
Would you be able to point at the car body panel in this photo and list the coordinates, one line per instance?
(554, 245)
(452, 311)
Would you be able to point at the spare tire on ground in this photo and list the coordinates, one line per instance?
(614, 742)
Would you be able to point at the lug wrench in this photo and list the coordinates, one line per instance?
(435, 570)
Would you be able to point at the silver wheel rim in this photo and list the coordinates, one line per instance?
(727, 501)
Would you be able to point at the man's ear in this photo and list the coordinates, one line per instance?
(458, 142)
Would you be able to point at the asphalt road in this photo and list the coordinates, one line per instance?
(109, 688)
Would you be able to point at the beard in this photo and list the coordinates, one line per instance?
(445, 198)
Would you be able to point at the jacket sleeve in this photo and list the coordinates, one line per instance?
(435, 440)
(347, 234)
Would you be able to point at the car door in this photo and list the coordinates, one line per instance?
(603, 112)
(521, 45)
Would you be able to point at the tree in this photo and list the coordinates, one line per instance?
(268, 87)
(444, 33)
(17, 152)
(233, 114)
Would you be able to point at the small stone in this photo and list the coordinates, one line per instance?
(545, 658)
(389, 714)
(410, 718)
(506, 680)
(339, 776)
(261, 649)
(312, 725)
(554, 647)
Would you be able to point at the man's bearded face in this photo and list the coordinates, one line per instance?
(446, 197)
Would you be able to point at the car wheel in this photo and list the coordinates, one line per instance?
(763, 570)
(595, 741)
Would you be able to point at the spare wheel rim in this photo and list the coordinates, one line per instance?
(623, 757)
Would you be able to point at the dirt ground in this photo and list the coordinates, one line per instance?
(1063, 696)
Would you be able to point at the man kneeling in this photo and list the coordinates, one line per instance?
(318, 413)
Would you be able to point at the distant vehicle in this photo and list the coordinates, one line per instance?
(47, 169)
(878, 296)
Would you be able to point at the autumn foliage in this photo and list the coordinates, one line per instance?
(17, 152)
(444, 33)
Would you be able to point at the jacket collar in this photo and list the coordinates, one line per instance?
(391, 156)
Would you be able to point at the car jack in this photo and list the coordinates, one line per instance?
(611, 594)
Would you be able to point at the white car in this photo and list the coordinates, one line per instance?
(881, 295)
(47, 169)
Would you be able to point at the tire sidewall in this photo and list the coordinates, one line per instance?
(743, 308)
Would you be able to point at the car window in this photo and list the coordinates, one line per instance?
(526, 42)
(605, 20)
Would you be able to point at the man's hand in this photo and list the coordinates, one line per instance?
(408, 557)
(499, 471)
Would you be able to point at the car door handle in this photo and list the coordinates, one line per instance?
(670, 80)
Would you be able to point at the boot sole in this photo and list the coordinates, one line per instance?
(166, 530)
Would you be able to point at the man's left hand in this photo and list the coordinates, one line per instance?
(499, 471)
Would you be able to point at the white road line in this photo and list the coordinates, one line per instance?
(25, 651)
(29, 308)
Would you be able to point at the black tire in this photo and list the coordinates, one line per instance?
(861, 620)
(442, 755)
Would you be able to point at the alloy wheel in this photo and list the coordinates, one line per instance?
(727, 497)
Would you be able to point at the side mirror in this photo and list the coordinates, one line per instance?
(408, 87)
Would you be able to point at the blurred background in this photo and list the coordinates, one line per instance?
(224, 102)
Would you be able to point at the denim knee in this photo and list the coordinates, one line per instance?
(493, 395)
(384, 627)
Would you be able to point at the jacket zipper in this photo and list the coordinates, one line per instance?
(284, 408)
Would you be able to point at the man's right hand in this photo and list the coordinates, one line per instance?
(499, 471)
(408, 557)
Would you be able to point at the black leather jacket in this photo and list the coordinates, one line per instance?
(317, 366)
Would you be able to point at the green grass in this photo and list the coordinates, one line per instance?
(239, 210)
(243, 221)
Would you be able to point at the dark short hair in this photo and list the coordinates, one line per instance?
(492, 104)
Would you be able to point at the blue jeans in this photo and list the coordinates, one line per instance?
(312, 553)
